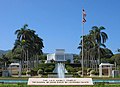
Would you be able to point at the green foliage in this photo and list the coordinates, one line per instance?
(76, 58)
(73, 68)
(96, 72)
(17, 54)
(92, 72)
(79, 72)
(43, 61)
(75, 75)
(23, 41)
(29, 45)
(116, 58)
(28, 72)
(106, 53)
(70, 69)
(23, 72)
(48, 70)
(107, 60)
(89, 69)
(33, 72)
(68, 61)
(42, 57)
(94, 46)
(45, 67)
(4, 61)
(77, 69)
(40, 71)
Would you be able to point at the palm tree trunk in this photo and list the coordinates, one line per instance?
(92, 62)
(25, 66)
(96, 66)
(22, 60)
(27, 60)
(33, 59)
(88, 60)
(37, 61)
(99, 56)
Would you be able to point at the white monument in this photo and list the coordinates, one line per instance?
(60, 56)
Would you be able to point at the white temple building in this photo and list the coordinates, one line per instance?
(60, 56)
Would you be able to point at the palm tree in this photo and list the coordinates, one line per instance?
(38, 45)
(20, 46)
(99, 37)
(88, 44)
(94, 46)
(29, 42)
(22, 36)
(5, 61)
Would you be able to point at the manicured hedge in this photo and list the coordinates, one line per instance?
(47, 68)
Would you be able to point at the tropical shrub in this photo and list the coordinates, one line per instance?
(40, 71)
(92, 72)
(89, 69)
(70, 69)
(79, 73)
(28, 72)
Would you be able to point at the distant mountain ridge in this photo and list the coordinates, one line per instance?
(3, 52)
(6, 51)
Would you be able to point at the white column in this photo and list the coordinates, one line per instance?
(10, 70)
(100, 71)
(19, 70)
(110, 70)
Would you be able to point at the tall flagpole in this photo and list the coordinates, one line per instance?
(83, 21)
(82, 48)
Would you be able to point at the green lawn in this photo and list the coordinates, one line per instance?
(24, 85)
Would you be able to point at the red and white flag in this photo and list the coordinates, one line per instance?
(83, 16)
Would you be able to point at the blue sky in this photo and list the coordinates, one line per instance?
(58, 22)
